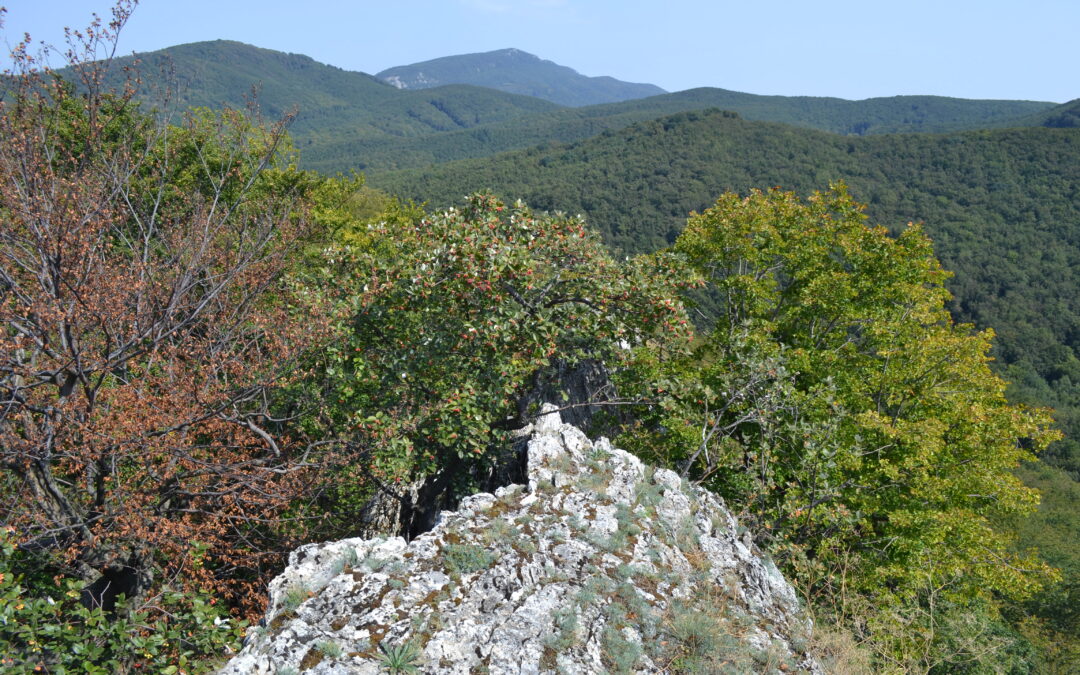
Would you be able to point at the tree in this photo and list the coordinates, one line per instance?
(835, 398)
(144, 325)
(458, 318)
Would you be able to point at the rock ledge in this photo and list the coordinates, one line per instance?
(600, 564)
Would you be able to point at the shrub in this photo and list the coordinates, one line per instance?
(45, 627)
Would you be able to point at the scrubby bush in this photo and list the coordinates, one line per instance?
(45, 626)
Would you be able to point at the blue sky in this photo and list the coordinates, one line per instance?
(964, 48)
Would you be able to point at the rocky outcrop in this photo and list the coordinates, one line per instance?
(411, 509)
(599, 564)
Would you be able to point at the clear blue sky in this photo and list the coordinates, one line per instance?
(973, 49)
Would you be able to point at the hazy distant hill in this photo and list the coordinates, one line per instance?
(353, 120)
(894, 114)
(333, 104)
(871, 116)
(1063, 116)
(517, 72)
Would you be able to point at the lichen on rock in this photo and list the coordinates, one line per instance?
(599, 564)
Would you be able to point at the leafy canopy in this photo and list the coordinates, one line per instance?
(454, 317)
(835, 398)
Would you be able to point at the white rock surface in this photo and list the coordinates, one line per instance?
(600, 564)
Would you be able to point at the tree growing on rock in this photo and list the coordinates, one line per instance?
(459, 316)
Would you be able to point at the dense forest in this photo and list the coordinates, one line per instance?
(907, 114)
(348, 120)
(210, 355)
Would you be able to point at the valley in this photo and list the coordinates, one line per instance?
(854, 322)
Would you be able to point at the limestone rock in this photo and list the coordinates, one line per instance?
(600, 564)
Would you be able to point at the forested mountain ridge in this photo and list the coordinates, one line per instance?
(893, 114)
(349, 120)
(517, 72)
(1062, 116)
(900, 114)
(331, 103)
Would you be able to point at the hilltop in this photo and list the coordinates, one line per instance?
(1062, 116)
(331, 104)
(352, 120)
(517, 72)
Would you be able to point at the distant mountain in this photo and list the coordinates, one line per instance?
(898, 114)
(351, 120)
(884, 115)
(333, 104)
(517, 72)
(1063, 116)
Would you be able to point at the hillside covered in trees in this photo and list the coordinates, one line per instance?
(210, 355)
(902, 114)
(349, 120)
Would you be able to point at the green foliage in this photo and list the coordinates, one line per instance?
(343, 205)
(836, 401)
(44, 627)
(401, 658)
(216, 154)
(1000, 206)
(451, 318)
(1051, 619)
